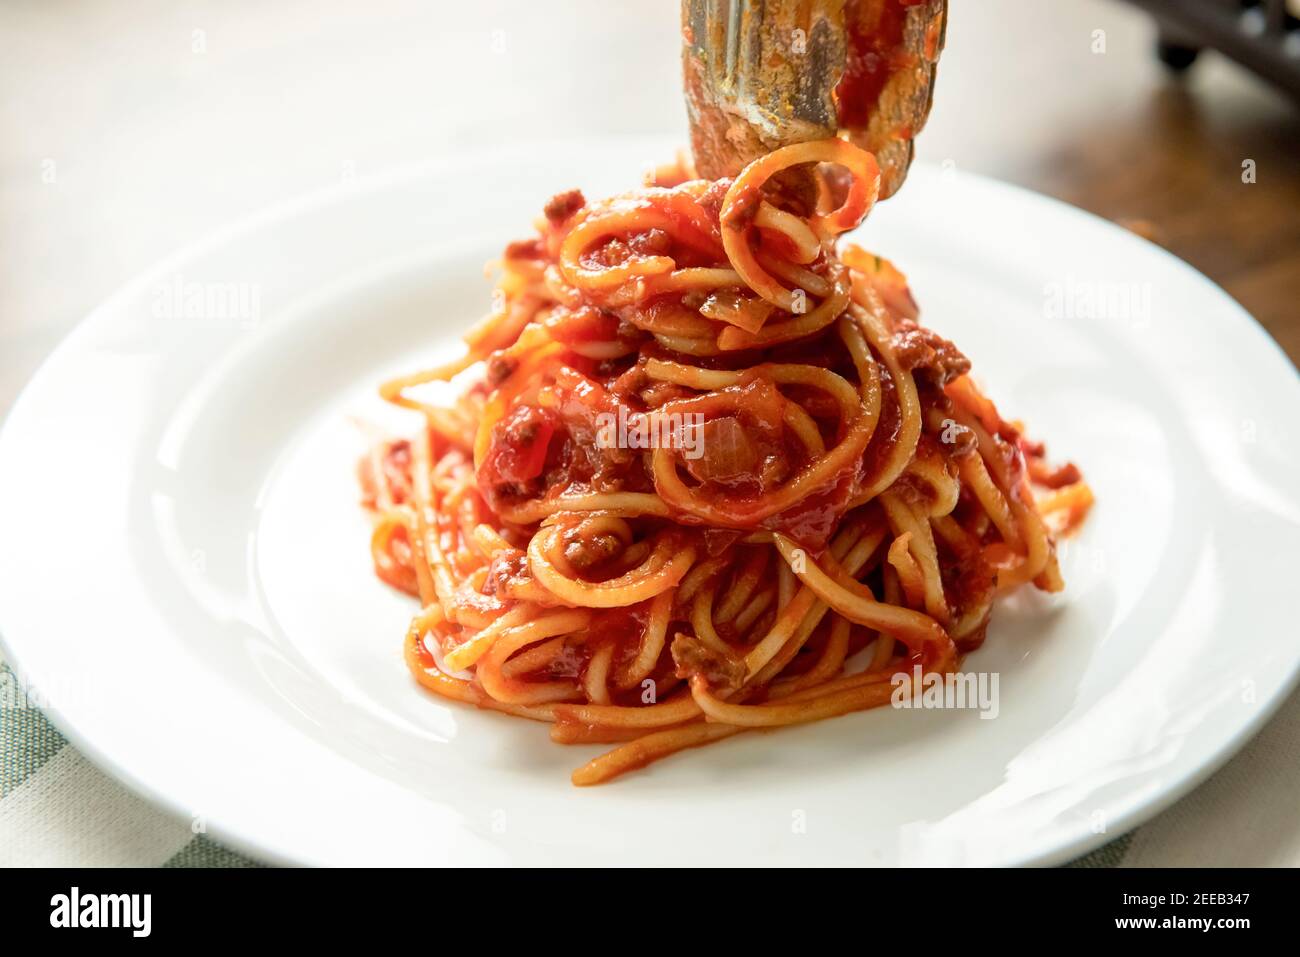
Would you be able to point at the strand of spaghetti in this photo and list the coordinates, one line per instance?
(865, 365)
(595, 681)
(701, 573)
(539, 656)
(943, 482)
(384, 495)
(827, 311)
(787, 622)
(726, 510)
(740, 206)
(920, 543)
(975, 475)
(789, 693)
(749, 614)
(676, 214)
(1040, 558)
(660, 572)
(804, 244)
(603, 351)
(908, 571)
(691, 376)
(973, 617)
(456, 511)
(671, 318)
(602, 523)
(779, 373)
(702, 617)
(1074, 499)
(427, 674)
(854, 545)
(500, 329)
(489, 541)
(797, 276)
(892, 593)
(466, 655)
(423, 578)
(870, 321)
(855, 606)
(793, 416)
(830, 662)
(797, 712)
(392, 390)
(566, 733)
(387, 566)
(515, 690)
(448, 423)
(514, 383)
(645, 750)
(958, 539)
(786, 584)
(426, 521)
(652, 642)
(623, 503)
(689, 345)
(744, 584)
(673, 711)
(694, 279)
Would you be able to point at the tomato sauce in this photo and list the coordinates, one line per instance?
(875, 54)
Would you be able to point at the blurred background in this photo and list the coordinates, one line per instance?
(131, 127)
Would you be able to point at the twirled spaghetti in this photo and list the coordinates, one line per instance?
(831, 502)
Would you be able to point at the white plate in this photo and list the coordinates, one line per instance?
(184, 570)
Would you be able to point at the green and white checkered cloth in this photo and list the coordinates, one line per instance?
(57, 809)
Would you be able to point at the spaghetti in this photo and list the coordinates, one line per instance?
(831, 502)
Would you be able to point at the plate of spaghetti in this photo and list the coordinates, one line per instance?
(683, 538)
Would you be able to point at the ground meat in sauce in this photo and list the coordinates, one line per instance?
(720, 669)
(584, 553)
(615, 252)
(563, 205)
(630, 382)
(711, 199)
(743, 209)
(499, 368)
(652, 242)
(928, 353)
(524, 249)
(504, 570)
(394, 473)
(523, 429)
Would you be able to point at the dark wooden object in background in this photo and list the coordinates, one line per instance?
(1260, 34)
